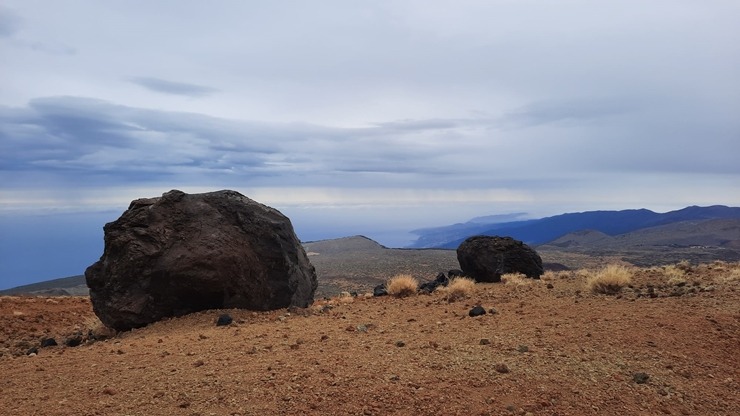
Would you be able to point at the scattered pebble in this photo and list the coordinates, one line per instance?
(485, 341)
(501, 368)
(640, 378)
(477, 311)
(48, 342)
(400, 343)
(224, 319)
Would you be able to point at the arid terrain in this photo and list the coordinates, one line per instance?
(550, 348)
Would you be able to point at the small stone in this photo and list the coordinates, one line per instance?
(198, 363)
(109, 391)
(48, 342)
(32, 351)
(640, 378)
(477, 311)
(224, 319)
(492, 311)
(549, 286)
(362, 328)
(523, 348)
(400, 343)
(324, 337)
(394, 377)
(501, 368)
(485, 341)
(73, 341)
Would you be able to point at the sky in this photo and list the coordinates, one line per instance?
(358, 117)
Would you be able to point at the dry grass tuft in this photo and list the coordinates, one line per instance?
(684, 265)
(515, 279)
(402, 285)
(610, 280)
(733, 275)
(675, 274)
(459, 288)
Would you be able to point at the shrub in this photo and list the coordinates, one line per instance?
(402, 285)
(517, 279)
(460, 288)
(675, 273)
(733, 275)
(610, 280)
(684, 265)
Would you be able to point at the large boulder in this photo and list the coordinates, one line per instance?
(183, 253)
(485, 258)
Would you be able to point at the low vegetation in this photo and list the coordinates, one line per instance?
(675, 273)
(516, 279)
(402, 285)
(609, 280)
(459, 288)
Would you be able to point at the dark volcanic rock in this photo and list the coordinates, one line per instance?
(477, 311)
(429, 287)
(183, 253)
(485, 258)
(224, 319)
(74, 340)
(48, 342)
(380, 290)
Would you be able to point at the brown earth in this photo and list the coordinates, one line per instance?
(546, 351)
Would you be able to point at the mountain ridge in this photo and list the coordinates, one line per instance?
(540, 231)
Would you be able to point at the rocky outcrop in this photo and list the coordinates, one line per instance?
(485, 258)
(183, 253)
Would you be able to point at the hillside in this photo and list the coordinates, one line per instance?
(698, 241)
(65, 286)
(547, 350)
(541, 231)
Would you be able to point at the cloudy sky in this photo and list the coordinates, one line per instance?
(372, 117)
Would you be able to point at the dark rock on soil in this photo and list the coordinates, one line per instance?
(477, 311)
(486, 258)
(380, 290)
(224, 319)
(184, 253)
(48, 342)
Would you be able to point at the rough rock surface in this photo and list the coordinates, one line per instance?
(183, 253)
(486, 258)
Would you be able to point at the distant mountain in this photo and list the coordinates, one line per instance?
(342, 245)
(65, 286)
(720, 233)
(536, 232)
(698, 241)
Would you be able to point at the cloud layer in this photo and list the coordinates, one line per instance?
(492, 105)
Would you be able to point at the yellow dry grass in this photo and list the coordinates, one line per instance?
(675, 273)
(459, 288)
(515, 279)
(609, 280)
(402, 285)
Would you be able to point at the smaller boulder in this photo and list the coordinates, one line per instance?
(486, 258)
(477, 311)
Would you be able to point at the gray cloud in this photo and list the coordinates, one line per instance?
(10, 22)
(171, 87)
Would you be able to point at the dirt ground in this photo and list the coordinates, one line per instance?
(550, 348)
